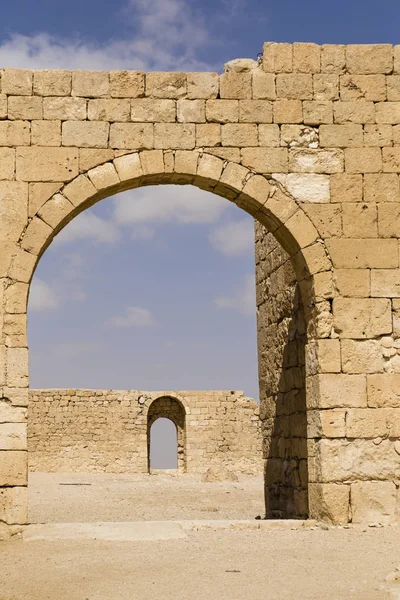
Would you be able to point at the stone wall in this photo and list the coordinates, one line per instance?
(108, 430)
(281, 355)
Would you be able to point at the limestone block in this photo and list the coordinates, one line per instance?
(363, 160)
(329, 356)
(232, 154)
(152, 162)
(384, 390)
(17, 367)
(352, 282)
(385, 283)
(329, 502)
(166, 85)
(90, 84)
(186, 162)
(303, 231)
(315, 113)
(13, 436)
(308, 187)
(294, 86)
(362, 317)
(363, 87)
(380, 187)
(109, 110)
(333, 58)
(234, 176)
(3, 106)
(16, 297)
(17, 396)
(47, 164)
(326, 423)
(265, 160)
(302, 160)
(14, 329)
(86, 134)
(391, 160)
(288, 111)
(132, 136)
(396, 317)
(46, 133)
(208, 135)
(13, 468)
(299, 135)
(12, 414)
(263, 85)
(65, 109)
(210, 167)
(372, 423)
(13, 208)
(22, 265)
(373, 502)
(393, 88)
(326, 87)
(378, 135)
(36, 235)
(346, 187)
(222, 111)
(191, 111)
(24, 107)
(361, 356)
(126, 84)
(52, 83)
(388, 112)
(14, 505)
(174, 135)
(255, 111)
(337, 391)
(235, 86)
(128, 167)
(16, 82)
(360, 220)
(55, 210)
(202, 85)
(239, 134)
(7, 164)
(341, 136)
(306, 58)
(145, 110)
(369, 58)
(269, 136)
(327, 218)
(104, 176)
(92, 157)
(14, 133)
(389, 220)
(359, 111)
(79, 190)
(277, 58)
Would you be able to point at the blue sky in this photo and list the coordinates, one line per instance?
(184, 316)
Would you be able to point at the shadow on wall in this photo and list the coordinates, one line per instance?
(282, 339)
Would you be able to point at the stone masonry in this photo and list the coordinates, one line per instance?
(308, 142)
(109, 430)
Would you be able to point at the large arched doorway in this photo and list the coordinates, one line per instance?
(171, 409)
(286, 223)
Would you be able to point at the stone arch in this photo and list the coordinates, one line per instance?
(169, 407)
(263, 197)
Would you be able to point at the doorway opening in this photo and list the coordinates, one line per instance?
(166, 435)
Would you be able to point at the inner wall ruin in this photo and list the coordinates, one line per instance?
(307, 141)
(101, 431)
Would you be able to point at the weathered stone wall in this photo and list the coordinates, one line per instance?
(308, 142)
(108, 430)
(282, 379)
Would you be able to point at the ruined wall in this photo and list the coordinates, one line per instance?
(107, 430)
(281, 354)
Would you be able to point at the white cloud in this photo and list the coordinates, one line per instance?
(168, 203)
(242, 299)
(166, 36)
(135, 317)
(235, 238)
(42, 296)
(87, 225)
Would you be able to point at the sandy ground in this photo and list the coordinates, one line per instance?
(268, 564)
(249, 565)
(105, 497)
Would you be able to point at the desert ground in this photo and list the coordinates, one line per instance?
(119, 537)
